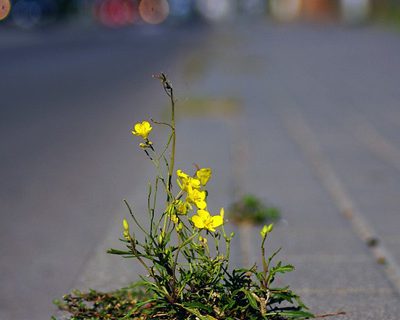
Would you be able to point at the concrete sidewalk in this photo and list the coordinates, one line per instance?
(278, 93)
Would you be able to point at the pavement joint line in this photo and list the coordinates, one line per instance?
(345, 291)
(306, 139)
(377, 143)
(330, 258)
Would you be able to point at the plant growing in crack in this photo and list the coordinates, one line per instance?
(186, 253)
(249, 209)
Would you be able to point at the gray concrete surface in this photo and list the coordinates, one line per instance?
(342, 82)
(68, 101)
(337, 80)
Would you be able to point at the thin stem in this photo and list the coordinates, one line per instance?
(170, 93)
(166, 148)
(153, 208)
(264, 261)
(173, 128)
(177, 254)
(163, 123)
(227, 244)
(134, 218)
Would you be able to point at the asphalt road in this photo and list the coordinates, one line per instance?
(316, 132)
(68, 99)
(304, 116)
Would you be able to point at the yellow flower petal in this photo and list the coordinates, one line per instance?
(204, 214)
(201, 204)
(198, 222)
(217, 221)
(196, 197)
(204, 175)
(222, 213)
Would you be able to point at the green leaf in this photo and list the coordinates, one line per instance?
(286, 268)
(251, 299)
(197, 305)
(197, 313)
(292, 314)
(120, 252)
(282, 269)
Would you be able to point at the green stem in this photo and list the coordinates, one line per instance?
(264, 261)
(172, 163)
(134, 218)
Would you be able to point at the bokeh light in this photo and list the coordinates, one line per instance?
(116, 13)
(285, 10)
(216, 10)
(180, 9)
(5, 8)
(154, 11)
(354, 11)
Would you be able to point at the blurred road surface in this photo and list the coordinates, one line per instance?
(68, 98)
(305, 116)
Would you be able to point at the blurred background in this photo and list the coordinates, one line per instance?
(76, 74)
(31, 14)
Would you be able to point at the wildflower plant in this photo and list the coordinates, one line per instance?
(186, 251)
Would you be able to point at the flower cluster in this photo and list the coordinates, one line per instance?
(192, 188)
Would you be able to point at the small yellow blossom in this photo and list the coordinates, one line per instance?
(203, 220)
(204, 175)
(174, 218)
(185, 181)
(182, 207)
(203, 240)
(142, 129)
(196, 197)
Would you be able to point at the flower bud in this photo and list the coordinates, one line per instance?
(126, 235)
(203, 240)
(266, 229)
(179, 226)
(125, 224)
(161, 238)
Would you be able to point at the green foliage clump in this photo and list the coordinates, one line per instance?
(250, 209)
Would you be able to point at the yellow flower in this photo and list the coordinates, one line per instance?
(182, 207)
(174, 218)
(204, 175)
(203, 240)
(196, 197)
(203, 220)
(184, 181)
(142, 129)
